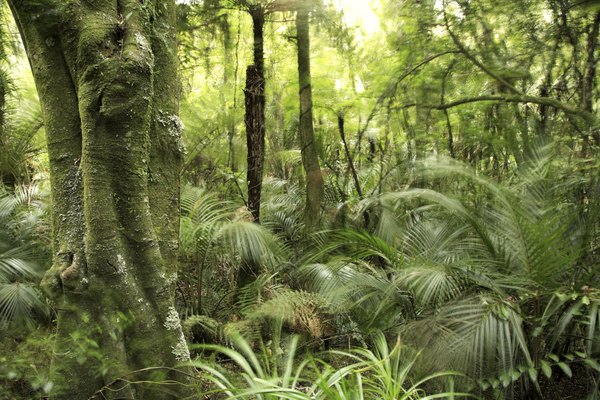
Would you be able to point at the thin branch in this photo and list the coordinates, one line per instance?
(568, 109)
(475, 61)
(392, 88)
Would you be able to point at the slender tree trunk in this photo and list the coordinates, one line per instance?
(2, 108)
(310, 157)
(255, 115)
(351, 167)
(5, 179)
(3, 83)
(446, 114)
(589, 77)
(107, 81)
(255, 139)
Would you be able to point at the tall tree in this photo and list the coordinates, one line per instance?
(3, 82)
(255, 97)
(106, 75)
(255, 104)
(255, 112)
(310, 157)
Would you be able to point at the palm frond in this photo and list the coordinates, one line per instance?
(18, 304)
(359, 245)
(482, 336)
(15, 262)
(253, 243)
(373, 301)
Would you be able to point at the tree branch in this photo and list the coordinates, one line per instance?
(567, 108)
(393, 87)
(475, 61)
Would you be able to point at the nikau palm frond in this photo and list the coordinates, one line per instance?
(21, 214)
(18, 304)
(464, 279)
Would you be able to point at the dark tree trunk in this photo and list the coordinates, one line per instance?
(589, 77)
(255, 139)
(3, 86)
(106, 75)
(2, 108)
(255, 115)
(310, 157)
(351, 167)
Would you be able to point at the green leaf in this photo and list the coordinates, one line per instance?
(592, 364)
(565, 368)
(515, 375)
(532, 374)
(546, 369)
(505, 379)
(585, 300)
(537, 331)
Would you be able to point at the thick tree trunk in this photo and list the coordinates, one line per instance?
(310, 157)
(255, 115)
(106, 78)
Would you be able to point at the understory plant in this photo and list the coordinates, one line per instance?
(382, 373)
(492, 279)
(23, 254)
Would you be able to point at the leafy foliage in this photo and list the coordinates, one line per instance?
(21, 250)
(381, 374)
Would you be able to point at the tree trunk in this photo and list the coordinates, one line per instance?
(255, 139)
(255, 115)
(3, 89)
(310, 157)
(107, 82)
(2, 108)
(589, 77)
(351, 167)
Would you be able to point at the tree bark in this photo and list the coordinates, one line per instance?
(255, 114)
(255, 140)
(107, 82)
(351, 167)
(3, 90)
(2, 107)
(589, 77)
(310, 157)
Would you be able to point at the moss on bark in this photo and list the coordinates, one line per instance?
(106, 77)
(310, 155)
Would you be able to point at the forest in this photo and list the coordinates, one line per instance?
(299, 199)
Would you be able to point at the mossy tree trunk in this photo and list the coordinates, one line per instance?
(310, 156)
(105, 72)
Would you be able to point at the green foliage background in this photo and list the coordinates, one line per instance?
(462, 258)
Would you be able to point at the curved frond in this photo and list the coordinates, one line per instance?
(482, 336)
(253, 243)
(19, 303)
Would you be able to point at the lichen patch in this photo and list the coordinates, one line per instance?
(180, 350)
(120, 265)
(172, 321)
